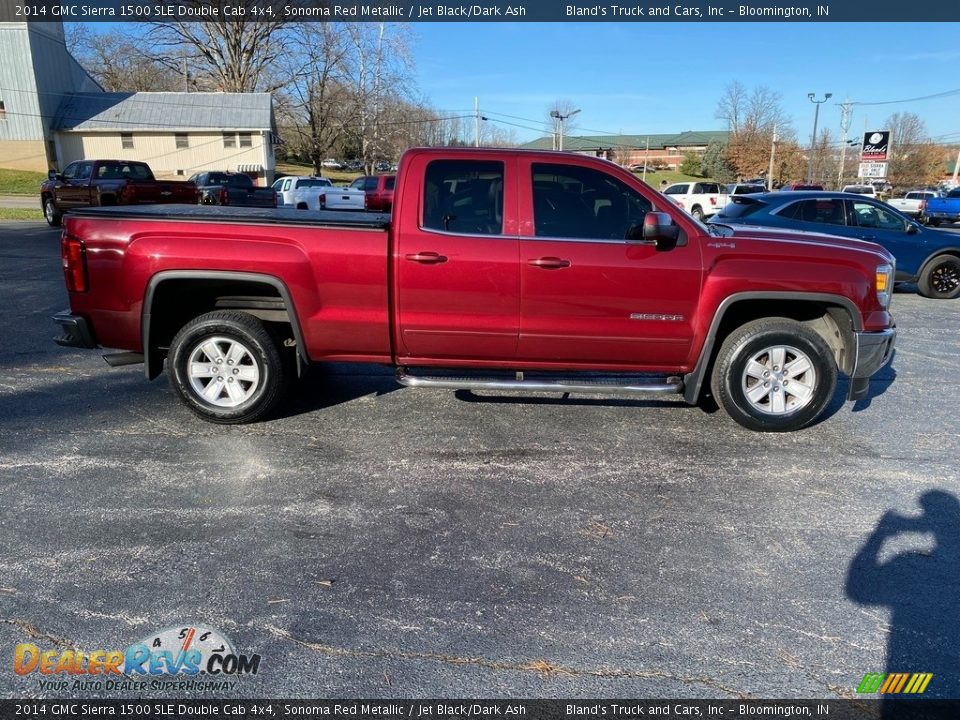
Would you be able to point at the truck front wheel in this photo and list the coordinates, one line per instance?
(774, 375)
(51, 214)
(226, 368)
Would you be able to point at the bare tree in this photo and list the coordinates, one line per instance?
(116, 59)
(381, 69)
(752, 117)
(233, 55)
(914, 159)
(317, 104)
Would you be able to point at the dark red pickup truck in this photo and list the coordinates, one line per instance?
(87, 183)
(499, 269)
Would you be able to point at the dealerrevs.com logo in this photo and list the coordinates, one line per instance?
(184, 653)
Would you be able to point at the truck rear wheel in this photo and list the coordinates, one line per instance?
(226, 368)
(941, 278)
(774, 375)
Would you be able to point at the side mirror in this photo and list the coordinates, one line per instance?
(657, 229)
(52, 175)
(912, 228)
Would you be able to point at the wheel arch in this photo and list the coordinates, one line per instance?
(209, 289)
(834, 317)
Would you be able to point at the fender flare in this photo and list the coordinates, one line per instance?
(153, 363)
(693, 381)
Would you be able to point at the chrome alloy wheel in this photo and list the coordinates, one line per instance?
(779, 380)
(49, 213)
(222, 372)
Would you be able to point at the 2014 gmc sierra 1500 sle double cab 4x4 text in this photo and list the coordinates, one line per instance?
(498, 269)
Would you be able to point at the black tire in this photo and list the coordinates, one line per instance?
(51, 214)
(697, 213)
(933, 222)
(940, 279)
(227, 329)
(731, 380)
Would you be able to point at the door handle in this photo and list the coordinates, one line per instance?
(427, 258)
(549, 263)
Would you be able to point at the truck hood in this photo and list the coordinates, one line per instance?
(783, 235)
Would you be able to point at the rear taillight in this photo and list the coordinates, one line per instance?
(323, 200)
(923, 205)
(129, 194)
(74, 258)
(274, 199)
(224, 196)
(713, 201)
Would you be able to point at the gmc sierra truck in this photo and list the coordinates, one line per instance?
(498, 270)
(87, 183)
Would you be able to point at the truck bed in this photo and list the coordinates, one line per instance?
(233, 214)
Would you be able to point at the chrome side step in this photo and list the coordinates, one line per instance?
(605, 386)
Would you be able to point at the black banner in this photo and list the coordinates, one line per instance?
(852, 11)
(872, 709)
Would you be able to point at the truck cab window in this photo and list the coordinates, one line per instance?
(579, 202)
(464, 196)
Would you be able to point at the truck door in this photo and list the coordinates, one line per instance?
(75, 190)
(587, 294)
(457, 280)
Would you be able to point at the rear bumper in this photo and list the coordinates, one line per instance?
(873, 351)
(76, 331)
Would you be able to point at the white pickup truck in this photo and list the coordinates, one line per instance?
(913, 202)
(287, 187)
(317, 193)
(700, 199)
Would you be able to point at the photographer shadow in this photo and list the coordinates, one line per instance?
(922, 590)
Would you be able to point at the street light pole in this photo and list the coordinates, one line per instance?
(813, 140)
(555, 114)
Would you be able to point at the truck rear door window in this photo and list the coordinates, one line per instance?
(570, 201)
(464, 196)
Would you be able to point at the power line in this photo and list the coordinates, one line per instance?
(935, 96)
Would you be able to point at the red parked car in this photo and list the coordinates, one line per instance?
(379, 190)
(498, 270)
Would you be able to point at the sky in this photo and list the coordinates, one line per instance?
(638, 78)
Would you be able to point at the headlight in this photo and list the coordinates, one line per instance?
(884, 284)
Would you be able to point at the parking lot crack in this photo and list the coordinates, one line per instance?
(36, 634)
(541, 667)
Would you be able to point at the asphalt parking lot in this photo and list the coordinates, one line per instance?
(385, 542)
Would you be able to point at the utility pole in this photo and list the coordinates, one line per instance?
(555, 114)
(845, 112)
(646, 159)
(476, 110)
(773, 152)
(813, 140)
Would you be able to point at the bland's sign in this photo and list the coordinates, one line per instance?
(873, 170)
(876, 144)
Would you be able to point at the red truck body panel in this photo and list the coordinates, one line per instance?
(372, 295)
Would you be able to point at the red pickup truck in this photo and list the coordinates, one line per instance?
(87, 183)
(499, 269)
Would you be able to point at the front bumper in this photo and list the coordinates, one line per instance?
(76, 331)
(873, 351)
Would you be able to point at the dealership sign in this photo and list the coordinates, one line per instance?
(873, 170)
(876, 145)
